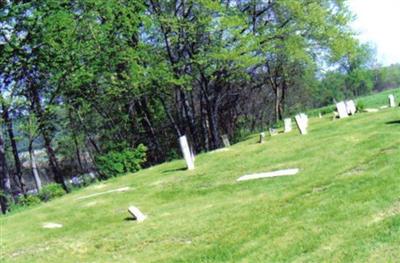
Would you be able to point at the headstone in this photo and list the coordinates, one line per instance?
(268, 175)
(288, 125)
(392, 103)
(350, 107)
(135, 212)
(225, 140)
(187, 153)
(273, 131)
(320, 115)
(52, 225)
(262, 137)
(302, 122)
(341, 108)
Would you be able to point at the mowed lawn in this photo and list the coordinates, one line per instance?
(343, 206)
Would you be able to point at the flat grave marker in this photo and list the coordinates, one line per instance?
(279, 173)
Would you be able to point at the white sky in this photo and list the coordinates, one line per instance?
(378, 22)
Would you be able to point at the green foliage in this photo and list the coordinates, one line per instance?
(360, 105)
(119, 162)
(51, 191)
(29, 200)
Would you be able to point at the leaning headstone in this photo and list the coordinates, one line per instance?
(187, 153)
(288, 125)
(137, 215)
(262, 137)
(341, 108)
(225, 140)
(392, 103)
(273, 131)
(302, 122)
(268, 175)
(350, 107)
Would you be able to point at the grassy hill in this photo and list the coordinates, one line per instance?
(343, 206)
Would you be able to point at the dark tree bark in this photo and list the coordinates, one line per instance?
(5, 185)
(10, 131)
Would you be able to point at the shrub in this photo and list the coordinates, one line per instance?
(28, 200)
(51, 191)
(119, 162)
(360, 105)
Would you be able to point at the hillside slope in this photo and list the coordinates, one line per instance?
(344, 205)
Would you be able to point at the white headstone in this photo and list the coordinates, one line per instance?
(262, 137)
(302, 122)
(273, 131)
(135, 212)
(350, 107)
(187, 153)
(288, 125)
(392, 103)
(320, 115)
(341, 108)
(225, 140)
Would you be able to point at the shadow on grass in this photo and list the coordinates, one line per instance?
(129, 219)
(393, 122)
(174, 170)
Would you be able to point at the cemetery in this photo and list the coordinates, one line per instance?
(245, 203)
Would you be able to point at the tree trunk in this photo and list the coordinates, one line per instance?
(44, 130)
(10, 131)
(35, 172)
(5, 185)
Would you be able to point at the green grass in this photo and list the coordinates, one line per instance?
(344, 205)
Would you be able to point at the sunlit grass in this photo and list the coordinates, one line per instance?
(343, 206)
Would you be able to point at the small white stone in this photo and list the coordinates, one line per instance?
(135, 212)
(288, 125)
(371, 110)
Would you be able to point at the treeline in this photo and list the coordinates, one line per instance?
(85, 80)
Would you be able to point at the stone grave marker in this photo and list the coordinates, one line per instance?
(273, 131)
(288, 125)
(137, 214)
(341, 108)
(225, 140)
(392, 102)
(262, 137)
(287, 172)
(187, 153)
(302, 122)
(350, 107)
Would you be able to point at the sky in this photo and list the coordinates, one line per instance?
(378, 22)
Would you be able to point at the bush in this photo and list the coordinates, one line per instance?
(119, 162)
(28, 200)
(51, 191)
(360, 106)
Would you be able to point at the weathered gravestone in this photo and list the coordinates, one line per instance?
(341, 108)
(187, 153)
(273, 131)
(350, 107)
(392, 102)
(137, 214)
(262, 137)
(225, 140)
(288, 125)
(302, 122)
